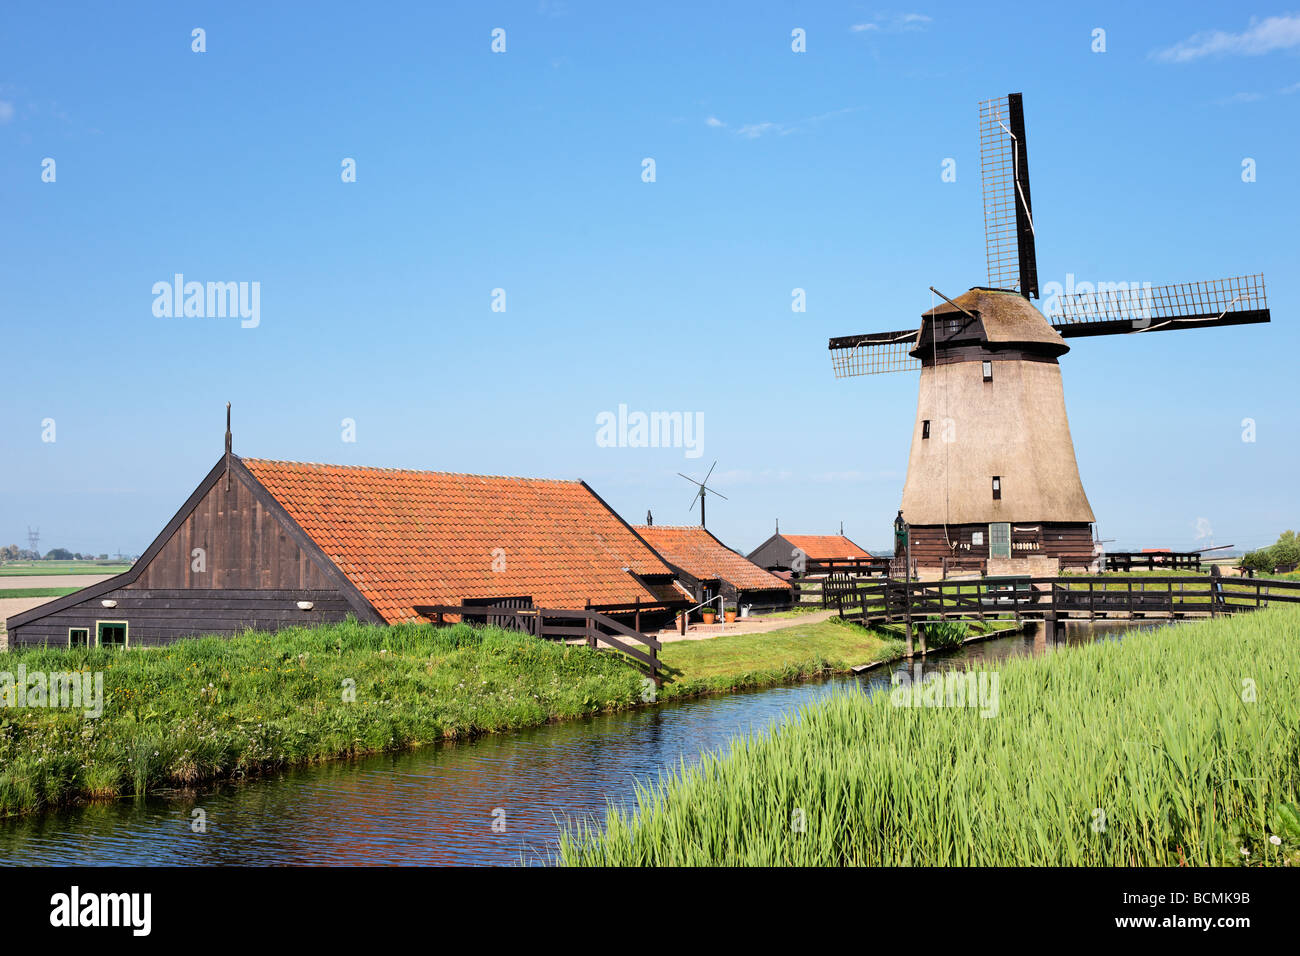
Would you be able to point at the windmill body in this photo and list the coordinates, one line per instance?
(992, 479)
(992, 471)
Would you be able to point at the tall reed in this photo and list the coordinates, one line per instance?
(1176, 746)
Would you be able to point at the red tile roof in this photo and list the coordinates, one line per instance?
(421, 537)
(703, 556)
(824, 547)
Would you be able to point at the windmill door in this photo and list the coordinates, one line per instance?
(1000, 539)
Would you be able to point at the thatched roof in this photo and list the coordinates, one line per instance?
(1005, 318)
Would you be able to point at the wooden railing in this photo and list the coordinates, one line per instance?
(593, 627)
(1031, 598)
(1153, 561)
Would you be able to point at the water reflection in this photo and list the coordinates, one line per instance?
(438, 805)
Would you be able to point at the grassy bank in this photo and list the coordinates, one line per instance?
(798, 652)
(206, 709)
(1140, 752)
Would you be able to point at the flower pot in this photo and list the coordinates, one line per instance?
(729, 616)
(709, 616)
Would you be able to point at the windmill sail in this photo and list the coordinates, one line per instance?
(873, 354)
(1008, 210)
(1123, 308)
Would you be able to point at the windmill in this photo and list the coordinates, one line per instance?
(703, 490)
(992, 472)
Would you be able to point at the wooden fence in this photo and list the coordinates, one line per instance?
(593, 627)
(1153, 561)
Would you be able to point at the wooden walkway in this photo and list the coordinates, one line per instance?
(1104, 598)
(591, 627)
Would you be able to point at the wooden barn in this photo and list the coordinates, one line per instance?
(813, 553)
(707, 567)
(271, 544)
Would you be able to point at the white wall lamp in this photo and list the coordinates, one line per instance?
(305, 605)
(108, 603)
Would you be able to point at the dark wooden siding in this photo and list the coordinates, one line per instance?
(775, 552)
(160, 616)
(256, 570)
(246, 547)
(930, 542)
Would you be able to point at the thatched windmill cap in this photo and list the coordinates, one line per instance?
(1006, 319)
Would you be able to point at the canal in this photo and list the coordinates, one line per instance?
(494, 800)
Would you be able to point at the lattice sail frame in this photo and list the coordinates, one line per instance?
(874, 354)
(1008, 215)
(1145, 308)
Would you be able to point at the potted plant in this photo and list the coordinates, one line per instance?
(708, 615)
(729, 615)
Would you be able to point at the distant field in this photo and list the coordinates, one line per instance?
(31, 568)
(35, 592)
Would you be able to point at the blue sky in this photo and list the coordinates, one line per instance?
(522, 171)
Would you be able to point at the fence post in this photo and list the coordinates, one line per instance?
(590, 623)
(638, 614)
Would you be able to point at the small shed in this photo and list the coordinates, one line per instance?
(707, 567)
(810, 553)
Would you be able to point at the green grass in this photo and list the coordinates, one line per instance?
(792, 613)
(210, 708)
(802, 651)
(1140, 752)
(35, 592)
(33, 568)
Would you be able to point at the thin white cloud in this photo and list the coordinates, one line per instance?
(893, 23)
(1239, 98)
(1288, 90)
(1260, 37)
(6, 111)
(756, 130)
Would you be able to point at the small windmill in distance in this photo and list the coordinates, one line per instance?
(704, 489)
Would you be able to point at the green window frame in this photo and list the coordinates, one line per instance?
(78, 637)
(111, 630)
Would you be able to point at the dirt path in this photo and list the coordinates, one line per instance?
(751, 625)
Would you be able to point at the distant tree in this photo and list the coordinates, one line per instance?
(1284, 553)
(58, 554)
(1261, 560)
(102, 557)
(9, 552)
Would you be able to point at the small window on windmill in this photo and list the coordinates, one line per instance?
(951, 326)
(977, 538)
(997, 487)
(988, 371)
(925, 428)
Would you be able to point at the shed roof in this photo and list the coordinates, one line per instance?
(826, 547)
(405, 538)
(701, 555)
